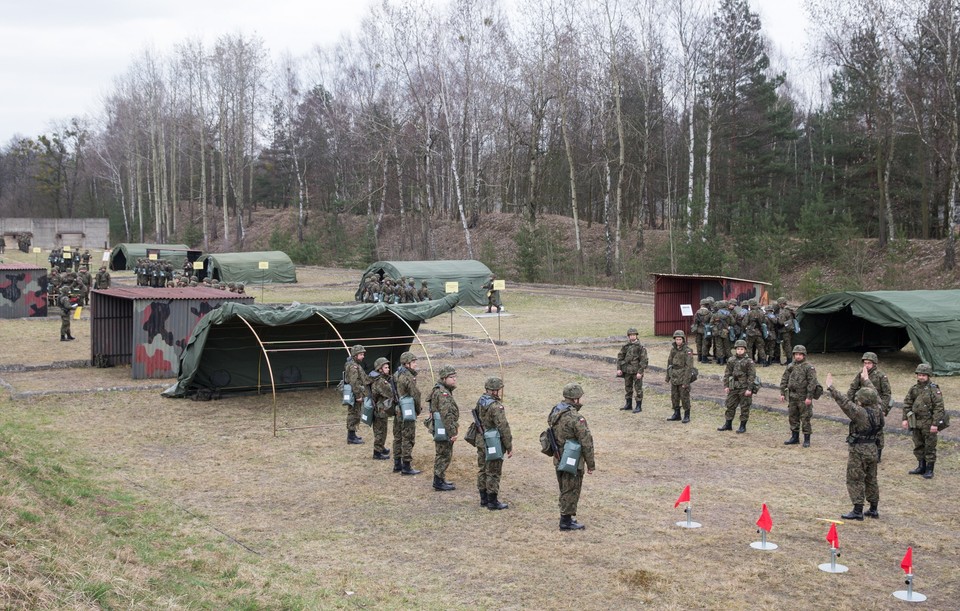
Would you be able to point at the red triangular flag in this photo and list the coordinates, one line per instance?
(833, 537)
(684, 497)
(907, 563)
(765, 522)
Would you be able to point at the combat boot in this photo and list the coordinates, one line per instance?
(385, 455)
(727, 426)
(440, 485)
(70, 337)
(568, 523)
(639, 407)
(794, 439)
(353, 438)
(675, 416)
(920, 470)
(928, 474)
(494, 504)
(628, 405)
(484, 498)
(806, 440)
(743, 427)
(766, 362)
(397, 467)
(686, 416)
(856, 514)
(872, 512)
(408, 470)
(63, 337)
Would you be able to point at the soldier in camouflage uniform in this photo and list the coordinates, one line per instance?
(923, 414)
(67, 306)
(881, 384)
(566, 423)
(442, 401)
(357, 378)
(405, 432)
(753, 321)
(721, 321)
(738, 383)
(866, 421)
(493, 295)
(701, 318)
(631, 364)
(424, 293)
(384, 400)
(785, 316)
(679, 374)
(773, 335)
(492, 416)
(798, 384)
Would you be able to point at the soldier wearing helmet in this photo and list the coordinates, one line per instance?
(385, 400)
(492, 416)
(798, 384)
(631, 363)
(493, 295)
(738, 383)
(786, 326)
(882, 386)
(923, 414)
(866, 422)
(442, 402)
(754, 323)
(680, 375)
(405, 430)
(568, 425)
(721, 322)
(702, 330)
(356, 377)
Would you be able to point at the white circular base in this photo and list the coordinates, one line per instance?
(833, 568)
(685, 524)
(760, 545)
(916, 598)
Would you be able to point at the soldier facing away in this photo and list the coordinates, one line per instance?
(67, 306)
(566, 423)
(442, 401)
(797, 387)
(923, 414)
(492, 416)
(405, 430)
(631, 364)
(738, 383)
(493, 295)
(881, 384)
(357, 378)
(679, 374)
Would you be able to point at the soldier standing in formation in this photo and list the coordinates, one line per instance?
(738, 383)
(679, 374)
(866, 421)
(405, 431)
(442, 402)
(384, 401)
(880, 384)
(491, 414)
(357, 378)
(797, 387)
(67, 306)
(631, 364)
(567, 424)
(103, 278)
(923, 414)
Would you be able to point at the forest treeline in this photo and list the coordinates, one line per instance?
(631, 114)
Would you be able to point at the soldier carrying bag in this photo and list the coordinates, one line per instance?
(408, 411)
(439, 429)
(494, 447)
(570, 458)
(347, 393)
(366, 412)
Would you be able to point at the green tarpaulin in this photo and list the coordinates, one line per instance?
(124, 256)
(227, 350)
(469, 273)
(247, 267)
(881, 321)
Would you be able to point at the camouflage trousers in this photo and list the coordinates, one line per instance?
(570, 486)
(488, 472)
(786, 344)
(353, 415)
(379, 430)
(632, 386)
(680, 395)
(721, 346)
(862, 473)
(755, 342)
(444, 456)
(404, 437)
(799, 414)
(64, 326)
(924, 444)
(735, 399)
(702, 343)
(772, 348)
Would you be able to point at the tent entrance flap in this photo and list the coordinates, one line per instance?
(842, 331)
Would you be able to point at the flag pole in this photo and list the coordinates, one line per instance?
(909, 595)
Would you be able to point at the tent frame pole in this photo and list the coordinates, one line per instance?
(492, 342)
(266, 355)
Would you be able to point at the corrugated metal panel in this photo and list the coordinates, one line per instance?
(669, 294)
(708, 277)
(23, 291)
(199, 292)
(111, 328)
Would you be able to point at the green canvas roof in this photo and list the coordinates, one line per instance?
(125, 255)
(882, 321)
(469, 273)
(306, 344)
(245, 267)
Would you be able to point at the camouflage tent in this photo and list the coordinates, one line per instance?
(468, 273)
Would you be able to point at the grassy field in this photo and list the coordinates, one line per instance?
(121, 499)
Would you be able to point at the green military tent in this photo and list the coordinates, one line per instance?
(470, 275)
(124, 256)
(248, 267)
(881, 321)
(241, 348)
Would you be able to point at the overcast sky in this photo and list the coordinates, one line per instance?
(58, 58)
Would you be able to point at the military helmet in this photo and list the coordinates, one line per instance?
(239, 285)
(870, 356)
(380, 362)
(752, 302)
(740, 344)
(446, 371)
(782, 300)
(572, 391)
(679, 333)
(710, 300)
(704, 302)
(867, 396)
(493, 383)
(357, 349)
(632, 331)
(407, 357)
(924, 368)
(800, 348)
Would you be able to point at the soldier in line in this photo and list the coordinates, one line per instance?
(424, 293)
(881, 384)
(67, 306)
(356, 377)
(679, 374)
(785, 316)
(923, 414)
(753, 322)
(701, 318)
(405, 431)
(866, 421)
(798, 384)
(631, 364)
(442, 401)
(87, 280)
(384, 401)
(771, 344)
(493, 295)
(738, 383)
(492, 416)
(567, 424)
(722, 321)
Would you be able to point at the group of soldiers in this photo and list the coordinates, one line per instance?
(768, 331)
(388, 290)
(65, 259)
(77, 283)
(157, 273)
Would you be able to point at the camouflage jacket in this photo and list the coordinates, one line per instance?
(357, 378)
(879, 382)
(721, 320)
(680, 365)
(382, 390)
(700, 319)
(785, 318)
(926, 402)
(407, 385)
(632, 358)
(492, 416)
(866, 420)
(740, 373)
(752, 322)
(799, 381)
(567, 423)
(441, 400)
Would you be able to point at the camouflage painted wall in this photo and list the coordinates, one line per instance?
(23, 292)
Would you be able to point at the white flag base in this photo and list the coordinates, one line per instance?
(685, 524)
(910, 597)
(764, 545)
(832, 567)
